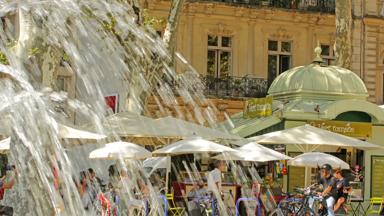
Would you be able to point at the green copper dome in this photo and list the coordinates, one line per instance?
(316, 81)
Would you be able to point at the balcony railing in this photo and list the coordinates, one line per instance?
(324, 6)
(235, 87)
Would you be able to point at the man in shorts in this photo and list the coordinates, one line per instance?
(329, 188)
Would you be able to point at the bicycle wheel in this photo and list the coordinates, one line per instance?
(284, 208)
(277, 212)
(306, 211)
(289, 207)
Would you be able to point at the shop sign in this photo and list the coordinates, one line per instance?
(377, 177)
(258, 107)
(351, 129)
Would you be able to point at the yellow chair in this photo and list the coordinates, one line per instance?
(172, 208)
(375, 206)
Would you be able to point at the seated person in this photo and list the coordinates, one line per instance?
(343, 188)
(197, 191)
(196, 194)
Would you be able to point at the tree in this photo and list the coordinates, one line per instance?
(169, 40)
(343, 43)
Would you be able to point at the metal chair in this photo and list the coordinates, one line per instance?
(375, 206)
(173, 209)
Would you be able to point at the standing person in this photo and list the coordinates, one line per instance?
(114, 176)
(214, 183)
(9, 195)
(329, 188)
(7, 183)
(95, 180)
(343, 188)
(83, 190)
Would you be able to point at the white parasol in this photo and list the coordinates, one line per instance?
(192, 145)
(253, 152)
(118, 150)
(317, 159)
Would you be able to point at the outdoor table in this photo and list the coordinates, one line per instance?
(357, 209)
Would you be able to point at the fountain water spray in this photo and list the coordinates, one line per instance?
(101, 46)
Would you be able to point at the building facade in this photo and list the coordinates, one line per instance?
(241, 46)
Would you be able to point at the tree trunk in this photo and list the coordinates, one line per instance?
(172, 24)
(343, 43)
(169, 37)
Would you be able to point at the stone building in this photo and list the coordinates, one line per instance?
(241, 46)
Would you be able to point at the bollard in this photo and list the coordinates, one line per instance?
(214, 207)
(146, 207)
(165, 204)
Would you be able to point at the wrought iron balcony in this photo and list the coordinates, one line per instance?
(235, 87)
(324, 6)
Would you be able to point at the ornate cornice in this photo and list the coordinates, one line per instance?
(221, 29)
(281, 34)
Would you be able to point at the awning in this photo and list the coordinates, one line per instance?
(245, 127)
(308, 138)
(130, 124)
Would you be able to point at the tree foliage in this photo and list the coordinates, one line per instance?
(3, 59)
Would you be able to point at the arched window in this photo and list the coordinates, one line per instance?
(354, 116)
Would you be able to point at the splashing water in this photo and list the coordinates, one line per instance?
(101, 47)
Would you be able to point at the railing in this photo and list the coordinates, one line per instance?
(324, 6)
(235, 87)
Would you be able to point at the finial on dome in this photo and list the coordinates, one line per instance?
(318, 58)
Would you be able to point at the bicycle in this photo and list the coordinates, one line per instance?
(300, 204)
(290, 205)
(208, 205)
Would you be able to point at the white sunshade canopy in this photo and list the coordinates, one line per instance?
(253, 152)
(5, 145)
(192, 145)
(317, 159)
(157, 162)
(117, 150)
(66, 132)
(308, 138)
(187, 129)
(131, 124)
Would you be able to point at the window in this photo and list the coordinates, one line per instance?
(279, 58)
(61, 83)
(219, 56)
(159, 33)
(382, 88)
(327, 54)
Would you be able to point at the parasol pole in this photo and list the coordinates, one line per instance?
(307, 171)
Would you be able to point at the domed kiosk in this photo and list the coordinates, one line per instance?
(318, 81)
(329, 97)
(329, 92)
